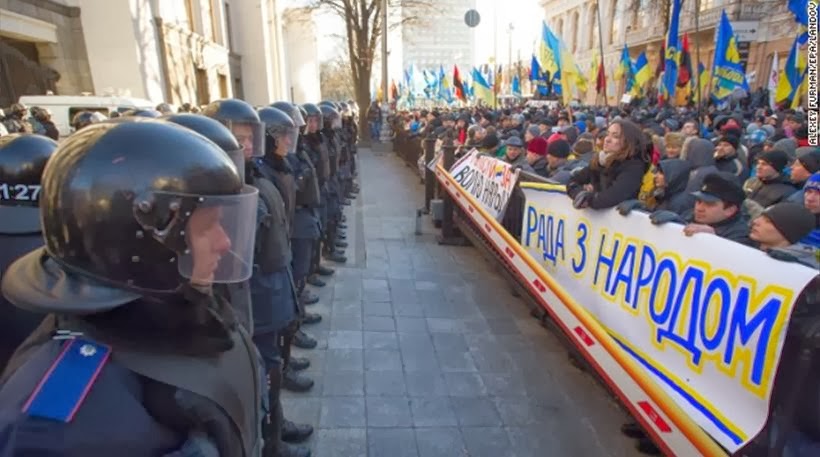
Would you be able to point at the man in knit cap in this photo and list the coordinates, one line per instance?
(780, 228)
(807, 163)
(811, 200)
(770, 186)
(559, 166)
(514, 154)
(537, 155)
(730, 158)
(674, 143)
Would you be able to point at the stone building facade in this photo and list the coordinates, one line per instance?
(640, 24)
(42, 49)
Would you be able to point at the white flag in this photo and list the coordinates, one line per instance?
(773, 76)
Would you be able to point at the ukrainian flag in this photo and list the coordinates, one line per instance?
(727, 70)
(788, 85)
(482, 89)
(546, 55)
(642, 72)
(625, 69)
(571, 75)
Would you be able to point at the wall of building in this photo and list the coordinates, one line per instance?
(56, 29)
(301, 56)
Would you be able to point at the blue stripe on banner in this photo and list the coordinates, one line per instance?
(692, 401)
(65, 385)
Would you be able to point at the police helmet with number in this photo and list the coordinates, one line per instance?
(23, 158)
(291, 110)
(281, 133)
(214, 131)
(241, 119)
(135, 209)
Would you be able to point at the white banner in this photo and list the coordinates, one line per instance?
(489, 180)
(705, 317)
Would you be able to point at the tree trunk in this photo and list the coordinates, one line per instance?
(361, 86)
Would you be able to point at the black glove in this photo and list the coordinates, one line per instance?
(664, 217)
(582, 199)
(626, 207)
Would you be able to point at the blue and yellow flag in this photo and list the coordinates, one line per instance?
(568, 70)
(625, 69)
(672, 57)
(482, 89)
(642, 72)
(727, 70)
(538, 77)
(547, 58)
(800, 9)
(792, 76)
(516, 86)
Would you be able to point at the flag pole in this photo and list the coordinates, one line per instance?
(601, 48)
(697, 57)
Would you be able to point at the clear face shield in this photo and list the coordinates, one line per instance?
(219, 237)
(251, 136)
(238, 159)
(314, 123)
(296, 115)
(286, 139)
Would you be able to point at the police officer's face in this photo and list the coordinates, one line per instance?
(207, 241)
(313, 124)
(283, 144)
(244, 135)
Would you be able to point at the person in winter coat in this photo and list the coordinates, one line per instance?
(770, 186)
(811, 200)
(559, 165)
(730, 158)
(515, 156)
(537, 155)
(807, 163)
(700, 154)
(671, 178)
(615, 175)
(779, 231)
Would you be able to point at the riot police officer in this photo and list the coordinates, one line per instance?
(305, 226)
(237, 293)
(273, 299)
(280, 141)
(85, 118)
(137, 356)
(331, 123)
(22, 160)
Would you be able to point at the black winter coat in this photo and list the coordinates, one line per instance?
(619, 182)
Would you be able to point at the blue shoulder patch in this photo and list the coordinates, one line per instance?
(67, 382)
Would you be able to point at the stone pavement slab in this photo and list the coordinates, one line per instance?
(424, 352)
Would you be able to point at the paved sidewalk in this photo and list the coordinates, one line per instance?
(424, 352)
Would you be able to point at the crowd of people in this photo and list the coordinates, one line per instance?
(748, 176)
(163, 259)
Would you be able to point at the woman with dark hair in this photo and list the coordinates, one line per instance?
(615, 175)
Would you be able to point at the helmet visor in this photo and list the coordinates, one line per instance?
(238, 158)
(219, 236)
(286, 137)
(314, 123)
(296, 115)
(251, 136)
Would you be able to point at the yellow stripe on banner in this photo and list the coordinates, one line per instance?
(544, 186)
(699, 438)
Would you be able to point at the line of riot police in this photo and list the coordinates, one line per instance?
(154, 273)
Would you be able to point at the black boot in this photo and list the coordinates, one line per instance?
(311, 318)
(324, 271)
(303, 341)
(313, 280)
(308, 298)
(341, 244)
(295, 382)
(299, 363)
(295, 433)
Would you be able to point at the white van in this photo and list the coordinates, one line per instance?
(64, 107)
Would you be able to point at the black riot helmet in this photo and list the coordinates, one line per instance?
(135, 209)
(138, 112)
(331, 117)
(313, 117)
(85, 118)
(345, 110)
(23, 158)
(280, 132)
(291, 110)
(214, 131)
(241, 119)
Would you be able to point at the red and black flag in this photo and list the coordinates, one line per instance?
(600, 82)
(685, 64)
(458, 85)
